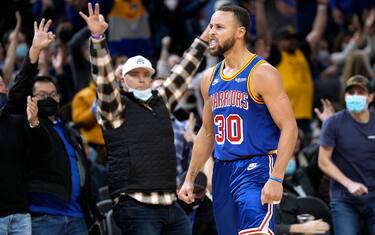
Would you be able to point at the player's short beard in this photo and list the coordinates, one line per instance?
(228, 44)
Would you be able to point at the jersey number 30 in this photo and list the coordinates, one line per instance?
(230, 128)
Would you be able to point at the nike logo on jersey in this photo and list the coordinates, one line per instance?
(251, 166)
(214, 82)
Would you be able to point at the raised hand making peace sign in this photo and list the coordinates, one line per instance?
(95, 21)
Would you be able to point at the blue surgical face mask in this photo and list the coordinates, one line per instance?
(323, 56)
(143, 95)
(21, 50)
(291, 167)
(3, 100)
(356, 103)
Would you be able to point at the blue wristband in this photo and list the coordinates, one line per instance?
(276, 179)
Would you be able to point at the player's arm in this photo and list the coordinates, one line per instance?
(203, 144)
(267, 83)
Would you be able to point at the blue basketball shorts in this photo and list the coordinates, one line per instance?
(236, 189)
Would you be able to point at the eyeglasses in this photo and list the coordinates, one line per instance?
(44, 95)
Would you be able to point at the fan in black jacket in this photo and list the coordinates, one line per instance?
(59, 181)
(18, 144)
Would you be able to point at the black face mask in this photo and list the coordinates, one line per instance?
(3, 100)
(65, 35)
(48, 107)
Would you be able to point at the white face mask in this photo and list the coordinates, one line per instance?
(171, 4)
(143, 95)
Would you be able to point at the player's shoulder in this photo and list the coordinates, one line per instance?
(264, 68)
(265, 78)
(208, 74)
(266, 73)
(206, 80)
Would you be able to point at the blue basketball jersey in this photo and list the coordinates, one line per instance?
(243, 125)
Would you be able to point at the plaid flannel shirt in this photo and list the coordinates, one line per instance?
(110, 107)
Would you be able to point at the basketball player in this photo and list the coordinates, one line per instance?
(247, 119)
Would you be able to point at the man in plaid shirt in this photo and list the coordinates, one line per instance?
(138, 134)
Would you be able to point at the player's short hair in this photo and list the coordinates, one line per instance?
(240, 13)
